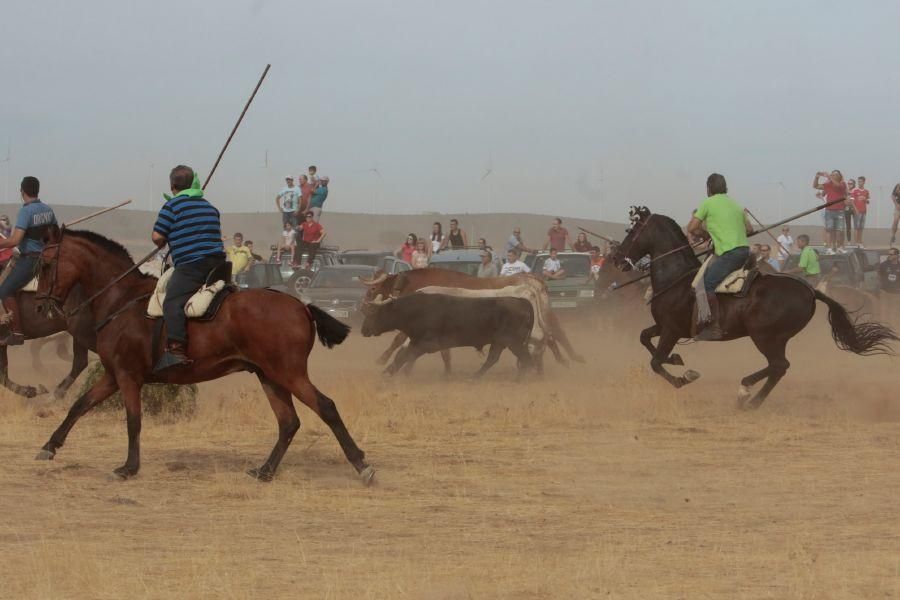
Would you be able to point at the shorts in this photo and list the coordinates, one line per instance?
(834, 220)
(859, 220)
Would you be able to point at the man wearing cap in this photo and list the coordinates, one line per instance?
(192, 228)
(32, 225)
(317, 200)
(286, 201)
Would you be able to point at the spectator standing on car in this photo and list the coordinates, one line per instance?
(515, 242)
(487, 268)
(317, 200)
(834, 190)
(312, 176)
(483, 245)
(808, 266)
(305, 195)
(552, 268)
(437, 237)
(513, 266)
(286, 201)
(288, 241)
(849, 210)
(785, 244)
(581, 243)
(456, 238)
(405, 251)
(239, 255)
(557, 236)
(312, 234)
(421, 255)
(860, 198)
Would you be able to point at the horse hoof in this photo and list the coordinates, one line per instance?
(676, 360)
(743, 395)
(260, 474)
(691, 375)
(123, 473)
(45, 455)
(367, 475)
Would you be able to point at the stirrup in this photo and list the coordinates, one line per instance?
(169, 360)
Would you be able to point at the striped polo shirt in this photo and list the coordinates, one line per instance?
(192, 228)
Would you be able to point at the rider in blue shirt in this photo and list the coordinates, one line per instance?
(32, 225)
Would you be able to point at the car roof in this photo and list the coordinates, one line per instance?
(348, 268)
(369, 252)
(563, 253)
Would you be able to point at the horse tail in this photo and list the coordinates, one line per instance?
(331, 331)
(860, 338)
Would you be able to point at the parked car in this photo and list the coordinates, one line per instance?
(262, 275)
(464, 260)
(852, 269)
(298, 278)
(575, 291)
(337, 289)
(385, 261)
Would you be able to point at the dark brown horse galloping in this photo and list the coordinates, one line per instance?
(775, 309)
(262, 331)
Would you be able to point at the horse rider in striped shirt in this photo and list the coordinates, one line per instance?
(191, 226)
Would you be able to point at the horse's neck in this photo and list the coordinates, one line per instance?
(673, 263)
(98, 270)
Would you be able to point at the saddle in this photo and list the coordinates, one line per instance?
(202, 305)
(736, 283)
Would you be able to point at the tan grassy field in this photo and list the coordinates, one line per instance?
(597, 482)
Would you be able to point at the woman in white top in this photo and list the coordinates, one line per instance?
(420, 255)
(437, 237)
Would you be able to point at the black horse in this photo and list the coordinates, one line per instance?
(774, 310)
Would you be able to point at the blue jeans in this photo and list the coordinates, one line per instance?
(834, 219)
(22, 272)
(288, 217)
(722, 265)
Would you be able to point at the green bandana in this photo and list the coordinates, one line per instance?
(195, 191)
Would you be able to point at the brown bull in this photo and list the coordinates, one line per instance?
(407, 282)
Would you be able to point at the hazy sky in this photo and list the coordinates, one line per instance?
(579, 108)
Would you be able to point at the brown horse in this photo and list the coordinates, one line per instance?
(774, 310)
(240, 338)
(35, 326)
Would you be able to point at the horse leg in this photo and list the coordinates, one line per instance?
(492, 358)
(778, 366)
(79, 364)
(524, 359)
(559, 334)
(324, 406)
(62, 351)
(288, 424)
(398, 341)
(100, 391)
(557, 354)
(667, 341)
(647, 336)
(35, 351)
(26, 391)
(131, 396)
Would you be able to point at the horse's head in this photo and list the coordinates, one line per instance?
(55, 276)
(636, 244)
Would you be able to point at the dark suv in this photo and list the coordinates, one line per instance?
(852, 269)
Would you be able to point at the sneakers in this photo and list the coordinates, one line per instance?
(830, 252)
(842, 250)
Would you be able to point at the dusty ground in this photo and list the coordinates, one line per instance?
(598, 481)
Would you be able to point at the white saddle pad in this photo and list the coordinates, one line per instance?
(31, 286)
(196, 306)
(732, 284)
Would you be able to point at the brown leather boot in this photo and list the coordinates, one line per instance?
(174, 356)
(15, 336)
(712, 331)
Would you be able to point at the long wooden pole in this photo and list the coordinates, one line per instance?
(602, 237)
(236, 125)
(96, 214)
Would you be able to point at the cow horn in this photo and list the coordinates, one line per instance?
(379, 279)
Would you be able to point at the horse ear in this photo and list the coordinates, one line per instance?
(644, 212)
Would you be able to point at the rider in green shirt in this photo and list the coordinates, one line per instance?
(724, 220)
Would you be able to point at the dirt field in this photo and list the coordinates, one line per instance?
(597, 482)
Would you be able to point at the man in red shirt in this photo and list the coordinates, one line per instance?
(835, 190)
(306, 190)
(557, 237)
(860, 198)
(312, 234)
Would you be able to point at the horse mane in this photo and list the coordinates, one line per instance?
(674, 226)
(111, 246)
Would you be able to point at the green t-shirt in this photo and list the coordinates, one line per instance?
(724, 220)
(809, 261)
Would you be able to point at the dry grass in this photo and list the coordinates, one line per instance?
(598, 481)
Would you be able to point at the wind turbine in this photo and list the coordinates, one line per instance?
(374, 170)
(487, 173)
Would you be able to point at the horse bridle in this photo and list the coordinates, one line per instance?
(51, 302)
(641, 224)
